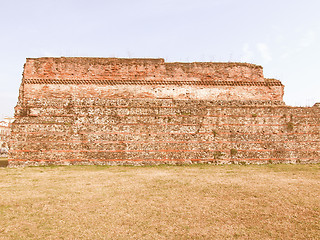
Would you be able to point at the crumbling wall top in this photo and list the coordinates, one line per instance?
(84, 68)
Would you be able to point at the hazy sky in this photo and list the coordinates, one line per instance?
(281, 35)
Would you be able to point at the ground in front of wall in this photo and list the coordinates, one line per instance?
(161, 202)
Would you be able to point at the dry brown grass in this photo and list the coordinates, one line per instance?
(164, 202)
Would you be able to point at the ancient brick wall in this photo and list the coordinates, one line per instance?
(104, 122)
(145, 78)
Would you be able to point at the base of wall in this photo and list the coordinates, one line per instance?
(153, 132)
(15, 163)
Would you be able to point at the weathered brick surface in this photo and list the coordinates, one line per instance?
(128, 111)
(145, 78)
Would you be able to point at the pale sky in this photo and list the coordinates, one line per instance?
(283, 36)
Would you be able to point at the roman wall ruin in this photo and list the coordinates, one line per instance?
(147, 111)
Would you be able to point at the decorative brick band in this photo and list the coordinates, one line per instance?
(159, 150)
(170, 133)
(169, 160)
(157, 142)
(151, 82)
(167, 124)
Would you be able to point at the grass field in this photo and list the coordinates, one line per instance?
(161, 202)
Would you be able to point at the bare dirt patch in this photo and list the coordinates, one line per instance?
(162, 202)
(3, 162)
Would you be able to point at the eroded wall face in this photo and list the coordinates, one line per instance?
(198, 92)
(120, 131)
